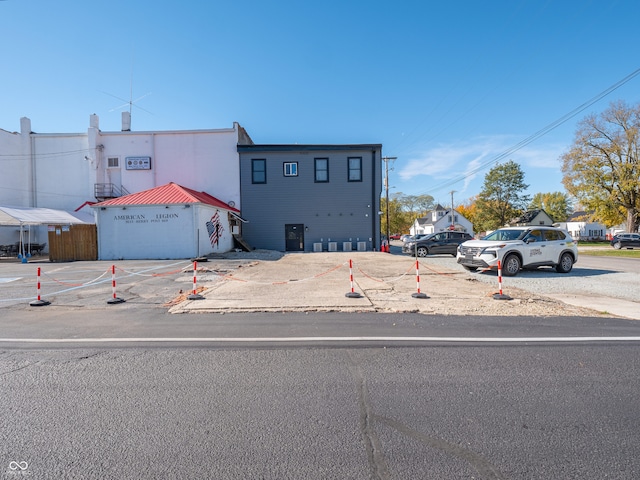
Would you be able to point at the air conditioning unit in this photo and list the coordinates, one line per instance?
(362, 246)
(333, 246)
(346, 246)
(317, 247)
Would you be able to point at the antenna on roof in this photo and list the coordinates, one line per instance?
(131, 102)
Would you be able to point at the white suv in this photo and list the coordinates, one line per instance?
(520, 247)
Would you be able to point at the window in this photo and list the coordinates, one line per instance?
(321, 170)
(291, 169)
(355, 169)
(259, 170)
(113, 162)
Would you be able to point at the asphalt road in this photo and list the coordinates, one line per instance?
(134, 392)
(486, 412)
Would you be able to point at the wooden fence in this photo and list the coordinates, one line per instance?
(73, 242)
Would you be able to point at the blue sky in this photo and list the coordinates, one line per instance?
(445, 87)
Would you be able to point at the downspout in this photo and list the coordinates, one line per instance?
(374, 214)
(33, 181)
(154, 163)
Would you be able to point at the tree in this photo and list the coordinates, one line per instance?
(602, 168)
(469, 210)
(404, 209)
(556, 204)
(501, 198)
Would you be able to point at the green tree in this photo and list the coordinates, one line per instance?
(403, 210)
(501, 198)
(556, 204)
(602, 168)
(399, 220)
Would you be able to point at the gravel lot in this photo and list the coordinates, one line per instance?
(451, 289)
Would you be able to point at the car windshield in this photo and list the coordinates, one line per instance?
(501, 235)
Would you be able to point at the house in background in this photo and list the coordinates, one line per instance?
(532, 217)
(580, 227)
(166, 222)
(304, 198)
(438, 220)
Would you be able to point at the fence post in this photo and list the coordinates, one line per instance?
(418, 294)
(194, 295)
(352, 293)
(114, 299)
(500, 296)
(39, 302)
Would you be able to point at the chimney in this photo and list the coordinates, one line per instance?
(126, 121)
(25, 126)
(94, 121)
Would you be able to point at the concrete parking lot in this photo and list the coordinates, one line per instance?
(270, 281)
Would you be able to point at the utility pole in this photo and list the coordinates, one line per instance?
(386, 188)
(453, 223)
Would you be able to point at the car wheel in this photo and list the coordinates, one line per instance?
(423, 252)
(470, 269)
(511, 265)
(617, 246)
(566, 263)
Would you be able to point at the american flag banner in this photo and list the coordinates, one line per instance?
(215, 229)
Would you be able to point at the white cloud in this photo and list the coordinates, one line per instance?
(468, 160)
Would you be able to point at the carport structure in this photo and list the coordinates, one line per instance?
(35, 216)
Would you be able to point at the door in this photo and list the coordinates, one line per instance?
(294, 237)
(438, 243)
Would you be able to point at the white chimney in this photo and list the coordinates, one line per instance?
(25, 126)
(126, 121)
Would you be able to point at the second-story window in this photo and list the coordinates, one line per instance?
(321, 170)
(291, 169)
(355, 169)
(258, 170)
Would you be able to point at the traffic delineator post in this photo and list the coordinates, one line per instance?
(114, 298)
(352, 293)
(39, 302)
(418, 294)
(500, 295)
(194, 294)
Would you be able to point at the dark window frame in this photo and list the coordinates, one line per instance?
(254, 170)
(351, 170)
(316, 170)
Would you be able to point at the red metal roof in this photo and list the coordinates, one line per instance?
(169, 194)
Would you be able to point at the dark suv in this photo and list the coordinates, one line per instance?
(626, 240)
(434, 243)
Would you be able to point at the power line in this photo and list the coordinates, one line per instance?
(543, 131)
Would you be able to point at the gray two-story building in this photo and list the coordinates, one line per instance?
(311, 197)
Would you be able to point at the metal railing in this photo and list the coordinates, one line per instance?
(102, 191)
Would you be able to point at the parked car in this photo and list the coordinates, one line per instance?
(434, 243)
(405, 238)
(520, 247)
(626, 240)
(395, 236)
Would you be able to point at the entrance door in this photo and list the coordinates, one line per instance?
(294, 237)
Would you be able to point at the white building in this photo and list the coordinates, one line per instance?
(440, 220)
(63, 171)
(580, 227)
(166, 222)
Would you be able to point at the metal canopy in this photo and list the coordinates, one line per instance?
(19, 216)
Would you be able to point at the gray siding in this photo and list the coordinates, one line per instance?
(337, 211)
